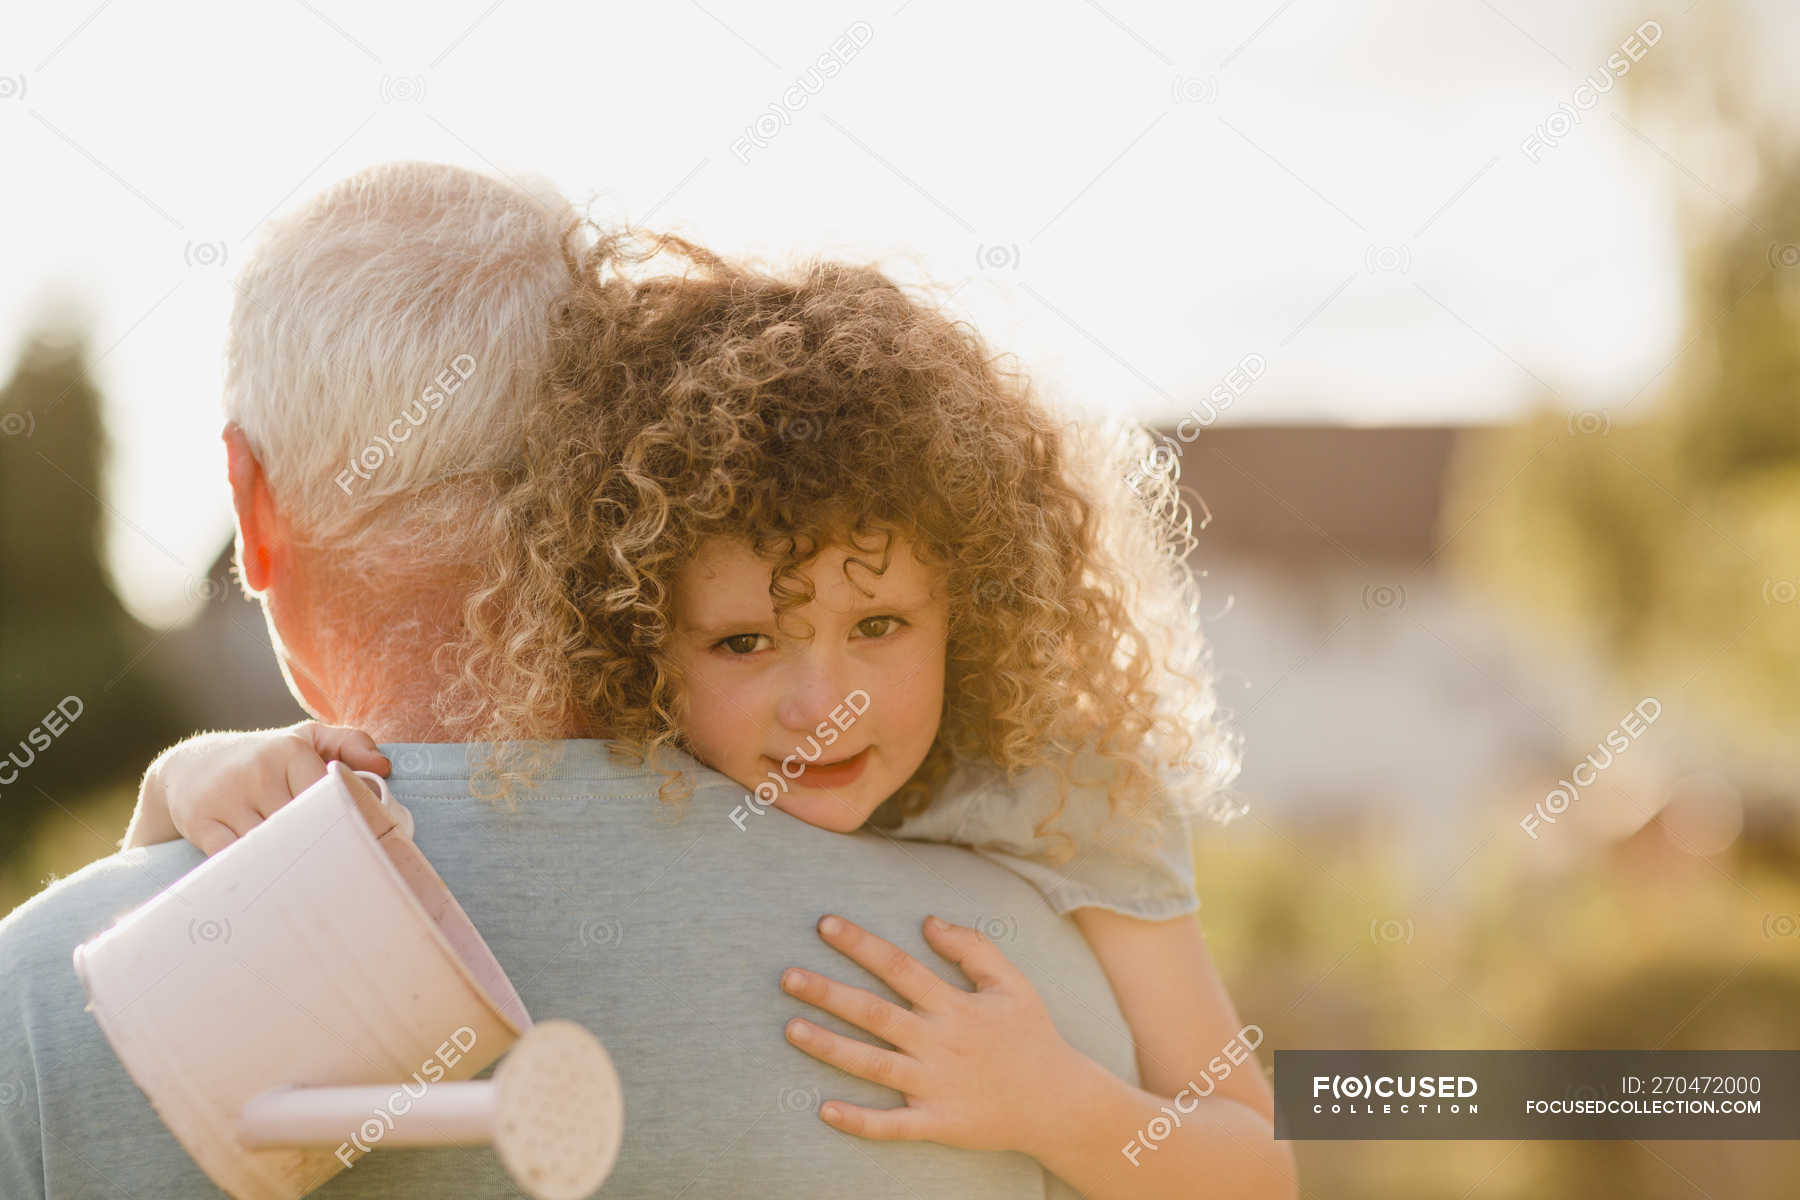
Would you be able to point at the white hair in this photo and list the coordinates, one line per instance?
(386, 341)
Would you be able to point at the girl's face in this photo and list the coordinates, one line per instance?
(835, 709)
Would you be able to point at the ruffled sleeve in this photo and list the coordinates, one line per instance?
(1113, 866)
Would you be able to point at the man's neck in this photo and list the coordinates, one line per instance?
(382, 674)
(392, 700)
(386, 721)
(375, 661)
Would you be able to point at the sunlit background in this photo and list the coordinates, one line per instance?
(1482, 317)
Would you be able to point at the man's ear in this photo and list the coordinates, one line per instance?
(257, 532)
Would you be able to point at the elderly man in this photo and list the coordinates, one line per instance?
(385, 341)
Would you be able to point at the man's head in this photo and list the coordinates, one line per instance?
(386, 340)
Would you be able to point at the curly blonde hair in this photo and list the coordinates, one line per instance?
(815, 406)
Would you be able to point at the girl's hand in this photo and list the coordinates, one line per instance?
(216, 788)
(977, 1068)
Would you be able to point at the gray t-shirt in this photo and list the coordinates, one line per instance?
(666, 938)
(997, 816)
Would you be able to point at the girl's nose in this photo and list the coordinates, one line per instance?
(812, 691)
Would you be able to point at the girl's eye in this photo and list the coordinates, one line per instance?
(740, 643)
(882, 626)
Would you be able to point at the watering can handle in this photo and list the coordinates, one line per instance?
(383, 812)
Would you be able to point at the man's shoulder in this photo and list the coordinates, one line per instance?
(665, 928)
(60, 1086)
(69, 911)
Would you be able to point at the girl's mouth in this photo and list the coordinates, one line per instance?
(841, 773)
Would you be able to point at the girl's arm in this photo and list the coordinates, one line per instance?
(988, 1070)
(214, 788)
(1194, 1056)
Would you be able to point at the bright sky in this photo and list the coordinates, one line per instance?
(1131, 196)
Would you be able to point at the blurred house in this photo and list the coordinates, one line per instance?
(1372, 691)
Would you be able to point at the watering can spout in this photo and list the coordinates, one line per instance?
(554, 1113)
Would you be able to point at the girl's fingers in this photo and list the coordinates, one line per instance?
(856, 1058)
(212, 836)
(911, 979)
(906, 1124)
(354, 748)
(242, 821)
(863, 1009)
(302, 769)
(973, 951)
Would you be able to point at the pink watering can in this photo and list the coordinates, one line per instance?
(313, 991)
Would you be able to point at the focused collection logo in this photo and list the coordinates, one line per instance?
(1382, 1095)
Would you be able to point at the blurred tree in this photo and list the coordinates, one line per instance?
(1663, 533)
(64, 638)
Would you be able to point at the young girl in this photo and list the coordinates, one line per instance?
(808, 530)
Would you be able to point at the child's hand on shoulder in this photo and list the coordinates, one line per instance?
(977, 1068)
(217, 787)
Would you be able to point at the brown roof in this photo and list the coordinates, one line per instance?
(1320, 493)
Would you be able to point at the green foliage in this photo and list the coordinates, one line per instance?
(63, 632)
(1663, 536)
(1324, 944)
